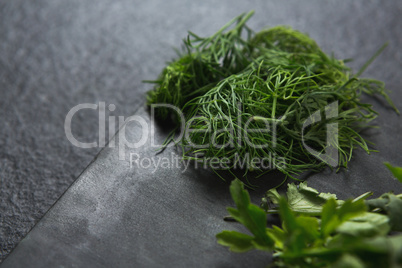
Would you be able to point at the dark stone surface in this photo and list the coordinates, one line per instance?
(57, 54)
(135, 216)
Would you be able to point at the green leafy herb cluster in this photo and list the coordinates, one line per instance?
(318, 230)
(202, 64)
(236, 81)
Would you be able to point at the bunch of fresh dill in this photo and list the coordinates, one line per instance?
(248, 96)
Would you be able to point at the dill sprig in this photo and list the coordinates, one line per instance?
(202, 64)
(268, 82)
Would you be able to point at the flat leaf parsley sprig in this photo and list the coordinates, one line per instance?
(318, 230)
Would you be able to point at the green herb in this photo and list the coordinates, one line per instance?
(302, 199)
(252, 217)
(344, 234)
(203, 63)
(396, 171)
(391, 205)
(248, 96)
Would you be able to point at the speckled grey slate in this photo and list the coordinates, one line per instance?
(57, 54)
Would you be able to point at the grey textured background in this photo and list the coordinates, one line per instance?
(57, 54)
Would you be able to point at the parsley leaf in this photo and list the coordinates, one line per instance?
(396, 171)
(318, 230)
(252, 217)
(303, 199)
